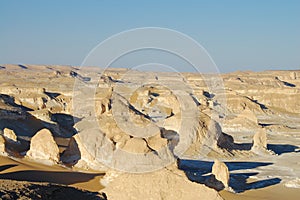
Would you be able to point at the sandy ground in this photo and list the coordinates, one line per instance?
(23, 170)
(276, 192)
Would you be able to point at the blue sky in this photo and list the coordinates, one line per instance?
(239, 35)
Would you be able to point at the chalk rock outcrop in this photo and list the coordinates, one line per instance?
(221, 172)
(43, 148)
(156, 142)
(260, 142)
(295, 183)
(10, 134)
(77, 156)
(260, 139)
(136, 145)
(168, 184)
(246, 120)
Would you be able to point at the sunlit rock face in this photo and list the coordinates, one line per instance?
(43, 147)
(169, 183)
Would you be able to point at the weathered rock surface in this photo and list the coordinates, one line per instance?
(43, 147)
(10, 134)
(168, 184)
(136, 145)
(260, 140)
(77, 156)
(259, 145)
(221, 172)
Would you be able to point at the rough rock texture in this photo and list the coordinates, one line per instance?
(168, 184)
(259, 145)
(156, 142)
(260, 140)
(245, 120)
(221, 172)
(77, 156)
(43, 147)
(136, 145)
(293, 183)
(10, 134)
(110, 176)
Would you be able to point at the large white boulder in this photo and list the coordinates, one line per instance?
(43, 148)
(221, 172)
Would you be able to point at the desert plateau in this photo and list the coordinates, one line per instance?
(70, 132)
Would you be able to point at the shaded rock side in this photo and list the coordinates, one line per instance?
(77, 156)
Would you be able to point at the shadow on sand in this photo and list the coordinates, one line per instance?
(199, 171)
(283, 148)
(57, 177)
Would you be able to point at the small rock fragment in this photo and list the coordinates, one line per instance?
(10, 134)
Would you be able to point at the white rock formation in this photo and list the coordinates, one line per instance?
(10, 134)
(77, 156)
(156, 142)
(260, 142)
(168, 184)
(43, 148)
(293, 183)
(221, 172)
(260, 139)
(136, 145)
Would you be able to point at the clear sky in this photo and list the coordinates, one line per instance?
(238, 34)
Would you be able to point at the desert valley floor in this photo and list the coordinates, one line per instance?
(89, 133)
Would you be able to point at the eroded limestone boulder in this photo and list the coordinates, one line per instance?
(221, 172)
(136, 145)
(260, 139)
(260, 143)
(156, 142)
(43, 148)
(10, 134)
